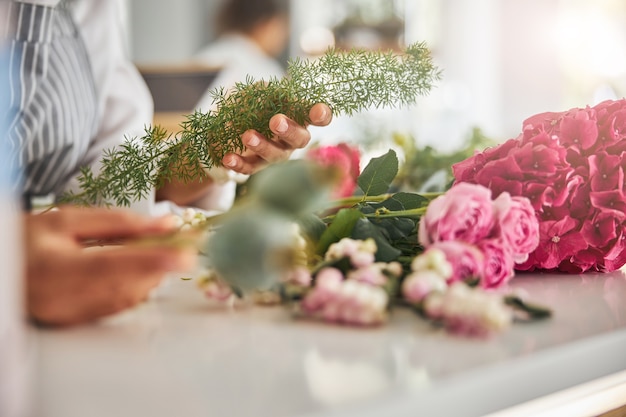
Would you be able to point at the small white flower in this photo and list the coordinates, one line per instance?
(434, 260)
(188, 214)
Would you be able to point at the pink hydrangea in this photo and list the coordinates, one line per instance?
(570, 165)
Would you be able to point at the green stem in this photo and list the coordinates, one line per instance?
(414, 213)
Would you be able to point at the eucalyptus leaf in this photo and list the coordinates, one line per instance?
(377, 176)
(293, 187)
(252, 249)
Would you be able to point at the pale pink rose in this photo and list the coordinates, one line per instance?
(464, 213)
(498, 263)
(466, 260)
(517, 225)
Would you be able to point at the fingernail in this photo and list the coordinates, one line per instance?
(324, 114)
(282, 125)
(230, 162)
(253, 141)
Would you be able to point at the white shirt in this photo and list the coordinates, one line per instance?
(238, 57)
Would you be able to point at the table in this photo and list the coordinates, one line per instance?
(180, 355)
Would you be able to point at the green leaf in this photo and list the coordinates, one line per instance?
(397, 228)
(379, 174)
(365, 229)
(405, 201)
(311, 226)
(341, 227)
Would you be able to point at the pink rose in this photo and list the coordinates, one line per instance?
(498, 263)
(466, 260)
(517, 225)
(346, 159)
(464, 213)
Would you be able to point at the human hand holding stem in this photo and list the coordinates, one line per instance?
(345, 82)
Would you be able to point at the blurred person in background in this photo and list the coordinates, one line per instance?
(252, 36)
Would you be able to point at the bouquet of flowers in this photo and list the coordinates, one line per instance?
(570, 165)
(352, 260)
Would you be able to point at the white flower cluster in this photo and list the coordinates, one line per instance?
(469, 311)
(460, 308)
(190, 218)
(338, 300)
(358, 297)
(429, 273)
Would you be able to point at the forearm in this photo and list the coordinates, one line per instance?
(184, 192)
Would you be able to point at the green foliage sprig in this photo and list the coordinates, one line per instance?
(347, 82)
(422, 163)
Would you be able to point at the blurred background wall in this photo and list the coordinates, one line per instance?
(502, 60)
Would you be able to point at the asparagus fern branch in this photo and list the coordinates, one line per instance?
(348, 82)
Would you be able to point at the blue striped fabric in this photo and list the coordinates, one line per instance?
(52, 96)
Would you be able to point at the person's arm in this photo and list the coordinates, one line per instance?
(68, 284)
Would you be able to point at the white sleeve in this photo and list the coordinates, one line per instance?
(124, 102)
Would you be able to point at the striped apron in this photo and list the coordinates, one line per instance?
(53, 104)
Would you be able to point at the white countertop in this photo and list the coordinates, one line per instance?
(180, 355)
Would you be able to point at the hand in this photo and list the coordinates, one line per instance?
(69, 284)
(289, 136)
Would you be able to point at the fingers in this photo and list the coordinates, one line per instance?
(102, 223)
(261, 151)
(293, 135)
(133, 263)
(288, 136)
(320, 115)
(84, 286)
